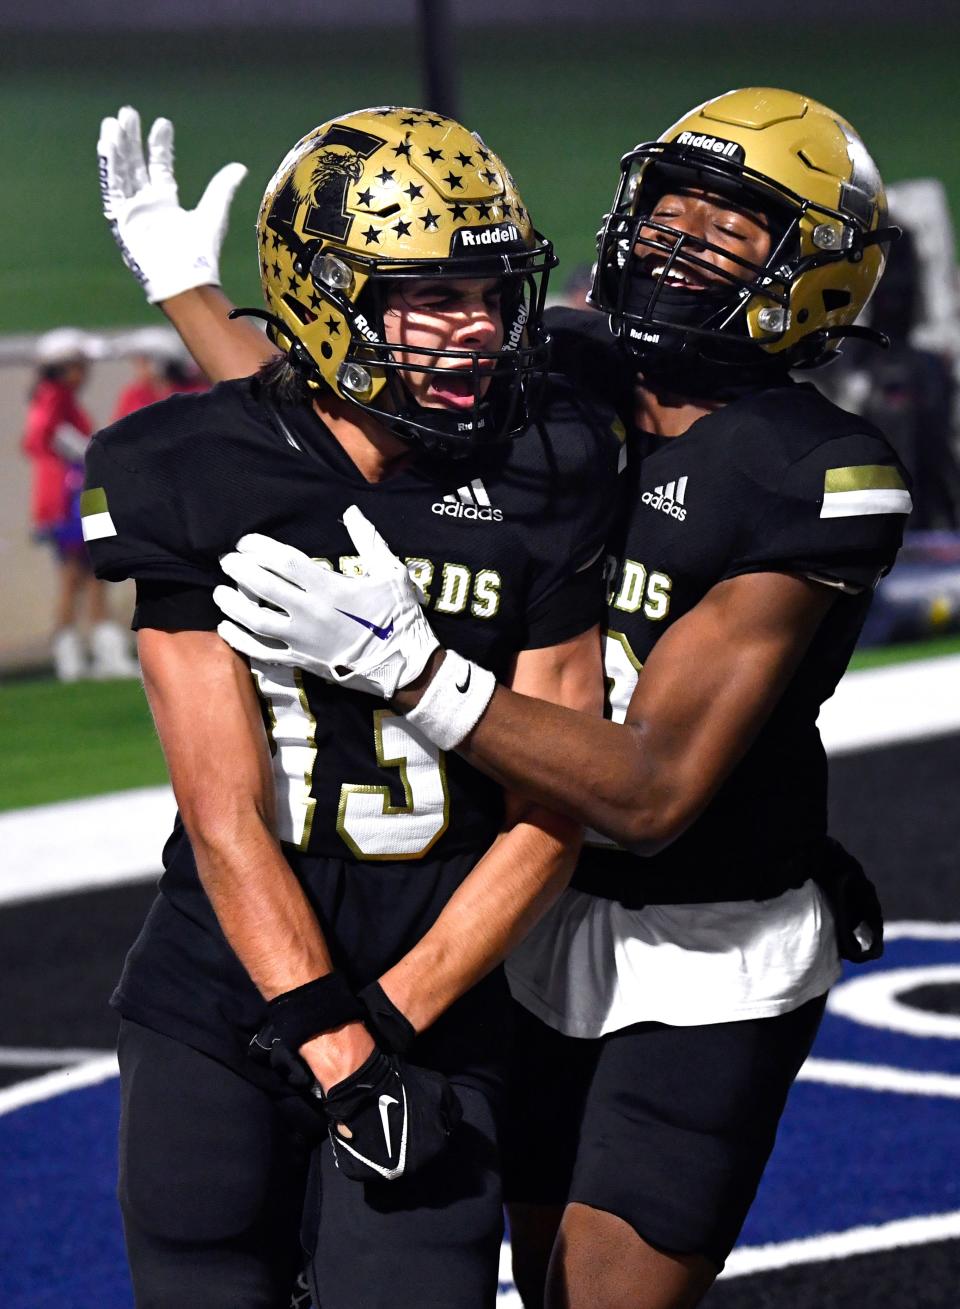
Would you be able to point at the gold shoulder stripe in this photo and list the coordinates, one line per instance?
(93, 501)
(618, 429)
(863, 477)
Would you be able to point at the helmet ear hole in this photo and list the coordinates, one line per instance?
(303, 314)
(834, 299)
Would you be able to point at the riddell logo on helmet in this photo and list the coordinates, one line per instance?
(472, 236)
(516, 331)
(715, 145)
(365, 330)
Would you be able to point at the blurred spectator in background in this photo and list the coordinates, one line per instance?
(161, 366)
(908, 392)
(55, 438)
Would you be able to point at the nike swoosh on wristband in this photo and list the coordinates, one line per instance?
(466, 681)
(382, 632)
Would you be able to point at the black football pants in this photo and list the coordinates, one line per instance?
(214, 1193)
(211, 1181)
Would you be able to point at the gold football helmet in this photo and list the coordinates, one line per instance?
(388, 195)
(802, 167)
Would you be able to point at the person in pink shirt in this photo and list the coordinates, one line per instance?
(162, 367)
(55, 437)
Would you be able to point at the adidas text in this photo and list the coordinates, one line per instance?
(453, 509)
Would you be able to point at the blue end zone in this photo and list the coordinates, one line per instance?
(60, 1238)
(844, 1158)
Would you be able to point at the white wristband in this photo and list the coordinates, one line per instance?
(453, 702)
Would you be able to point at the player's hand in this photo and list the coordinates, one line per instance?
(368, 633)
(389, 1118)
(168, 249)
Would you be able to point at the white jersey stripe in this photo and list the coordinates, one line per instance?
(98, 526)
(853, 504)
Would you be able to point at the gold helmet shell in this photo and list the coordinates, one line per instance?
(798, 162)
(385, 194)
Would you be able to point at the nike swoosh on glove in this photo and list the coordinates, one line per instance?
(389, 1119)
(168, 249)
(367, 633)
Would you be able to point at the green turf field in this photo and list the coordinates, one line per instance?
(61, 742)
(560, 105)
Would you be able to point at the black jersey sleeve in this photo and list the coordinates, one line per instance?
(175, 607)
(837, 515)
(133, 519)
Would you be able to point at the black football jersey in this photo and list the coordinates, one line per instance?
(779, 480)
(501, 544)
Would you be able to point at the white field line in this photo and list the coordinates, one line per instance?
(79, 845)
(880, 1077)
(12, 1056)
(51, 1085)
(907, 929)
(843, 1245)
(879, 706)
(743, 1261)
(111, 839)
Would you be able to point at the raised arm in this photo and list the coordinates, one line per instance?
(174, 253)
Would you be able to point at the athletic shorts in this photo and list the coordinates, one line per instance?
(669, 1128)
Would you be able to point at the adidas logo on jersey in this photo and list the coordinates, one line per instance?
(468, 502)
(668, 499)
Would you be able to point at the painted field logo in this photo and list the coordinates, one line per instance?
(668, 499)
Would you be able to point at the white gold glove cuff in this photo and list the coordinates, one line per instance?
(453, 702)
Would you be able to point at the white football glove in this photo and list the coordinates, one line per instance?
(167, 248)
(367, 633)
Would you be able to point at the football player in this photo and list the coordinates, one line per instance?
(675, 991)
(337, 892)
(672, 994)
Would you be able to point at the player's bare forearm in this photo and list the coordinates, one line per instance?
(209, 725)
(507, 892)
(704, 693)
(224, 348)
(521, 875)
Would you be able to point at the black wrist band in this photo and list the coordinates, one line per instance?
(391, 1028)
(315, 1007)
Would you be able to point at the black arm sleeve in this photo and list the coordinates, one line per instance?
(174, 607)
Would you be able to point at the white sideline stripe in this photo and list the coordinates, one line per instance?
(880, 1077)
(904, 702)
(77, 845)
(12, 1056)
(50, 1085)
(842, 1245)
(111, 839)
(907, 929)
